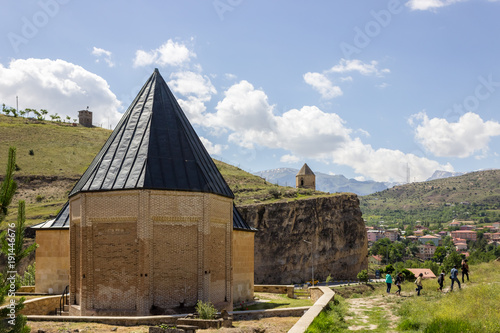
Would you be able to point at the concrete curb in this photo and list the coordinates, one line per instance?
(306, 320)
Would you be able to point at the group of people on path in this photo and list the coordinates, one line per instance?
(453, 276)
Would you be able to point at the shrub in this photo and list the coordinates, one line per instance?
(205, 310)
(32, 152)
(329, 278)
(363, 276)
(275, 192)
(39, 198)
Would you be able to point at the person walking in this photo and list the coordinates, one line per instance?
(399, 280)
(454, 278)
(465, 270)
(418, 282)
(388, 280)
(441, 281)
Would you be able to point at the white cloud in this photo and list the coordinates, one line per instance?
(230, 76)
(323, 82)
(59, 87)
(211, 148)
(196, 89)
(469, 135)
(356, 65)
(289, 159)
(170, 53)
(323, 85)
(310, 133)
(102, 53)
(430, 4)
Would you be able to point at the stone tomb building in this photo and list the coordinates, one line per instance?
(151, 220)
(305, 178)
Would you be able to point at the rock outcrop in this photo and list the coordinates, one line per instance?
(333, 224)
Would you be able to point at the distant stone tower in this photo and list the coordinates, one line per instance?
(305, 178)
(85, 118)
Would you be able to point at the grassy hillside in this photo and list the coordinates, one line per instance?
(52, 156)
(473, 196)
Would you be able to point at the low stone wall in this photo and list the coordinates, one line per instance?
(42, 305)
(26, 289)
(326, 297)
(275, 289)
(258, 314)
(119, 321)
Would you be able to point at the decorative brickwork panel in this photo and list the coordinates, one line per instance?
(216, 255)
(175, 264)
(243, 266)
(115, 266)
(113, 204)
(176, 203)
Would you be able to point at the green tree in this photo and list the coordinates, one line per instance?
(9, 186)
(12, 247)
(454, 258)
(439, 254)
(43, 113)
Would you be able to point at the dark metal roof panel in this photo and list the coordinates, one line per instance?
(153, 147)
(60, 222)
(239, 223)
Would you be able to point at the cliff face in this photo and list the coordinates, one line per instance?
(334, 226)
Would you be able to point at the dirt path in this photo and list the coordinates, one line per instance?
(373, 313)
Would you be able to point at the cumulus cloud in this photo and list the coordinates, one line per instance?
(468, 136)
(169, 54)
(59, 87)
(430, 4)
(196, 90)
(356, 65)
(211, 148)
(310, 133)
(289, 159)
(105, 55)
(323, 85)
(324, 82)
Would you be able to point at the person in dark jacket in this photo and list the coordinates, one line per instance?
(441, 281)
(465, 270)
(399, 280)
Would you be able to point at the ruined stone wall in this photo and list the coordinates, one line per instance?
(333, 224)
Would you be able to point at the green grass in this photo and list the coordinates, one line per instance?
(275, 301)
(332, 319)
(474, 308)
(58, 148)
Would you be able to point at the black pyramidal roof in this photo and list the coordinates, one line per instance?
(153, 147)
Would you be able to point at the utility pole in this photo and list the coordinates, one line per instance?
(312, 261)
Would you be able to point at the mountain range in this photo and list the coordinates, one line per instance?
(339, 183)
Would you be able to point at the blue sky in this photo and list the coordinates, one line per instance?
(359, 88)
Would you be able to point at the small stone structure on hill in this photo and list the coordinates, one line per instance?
(85, 118)
(305, 178)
